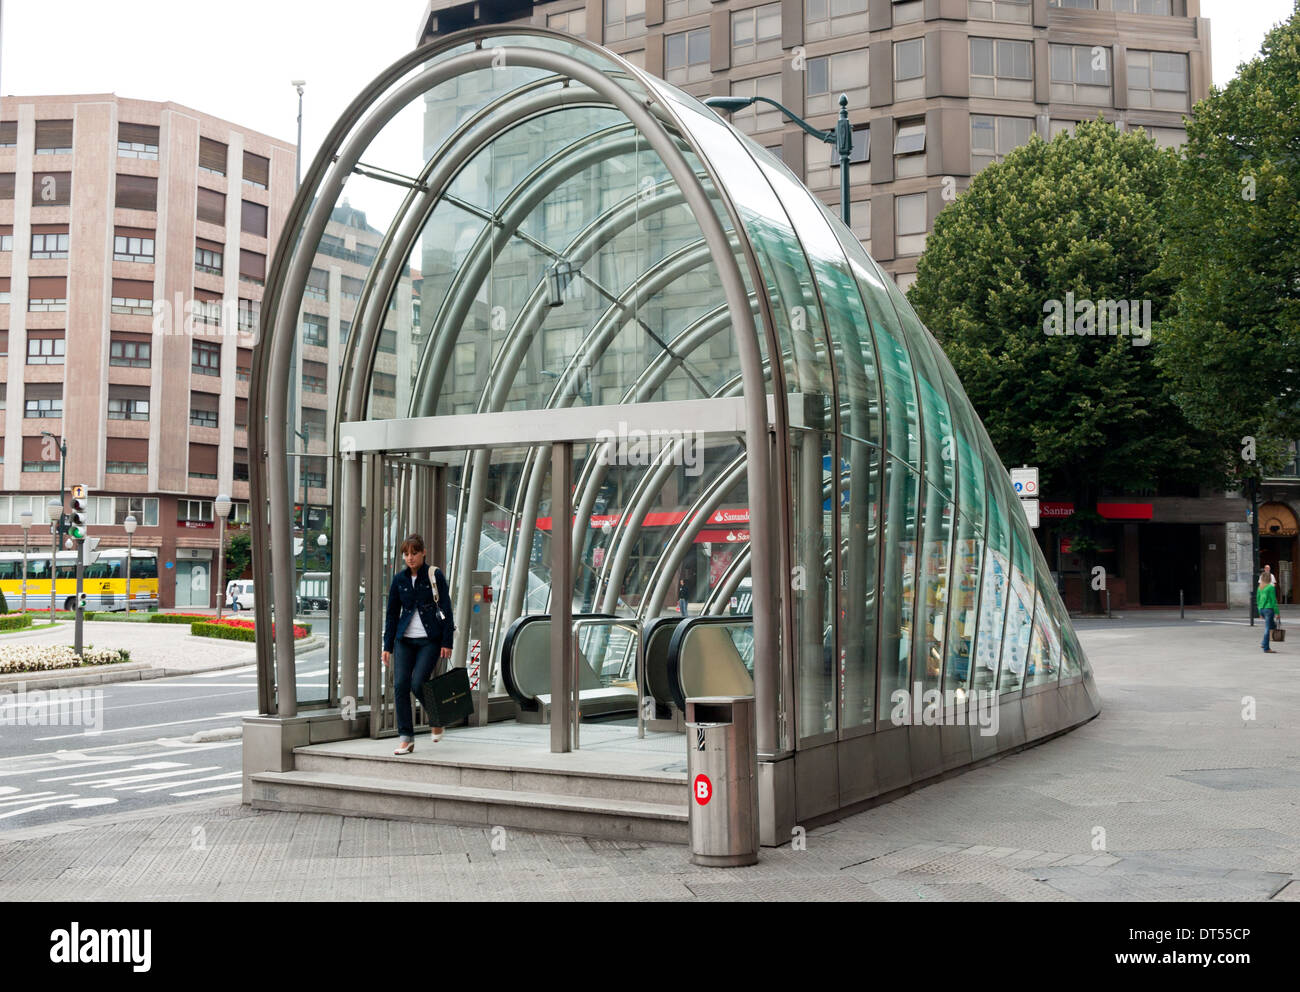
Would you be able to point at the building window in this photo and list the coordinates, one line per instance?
(206, 358)
(45, 350)
(8, 134)
(1157, 80)
(196, 510)
(906, 11)
(624, 19)
(257, 171)
(208, 260)
(385, 385)
(572, 21)
(54, 137)
(137, 141)
(1080, 74)
(49, 246)
(313, 384)
(143, 508)
(686, 56)
(44, 407)
(1001, 68)
(126, 468)
(1073, 4)
(315, 332)
(203, 418)
(909, 223)
(827, 77)
(1162, 8)
(674, 9)
(136, 193)
(212, 157)
(827, 18)
(130, 354)
(1000, 10)
(991, 138)
(126, 408)
(387, 342)
(909, 69)
(47, 304)
(252, 218)
(822, 159)
(40, 466)
(757, 116)
(240, 472)
(755, 34)
(7, 239)
(130, 304)
(249, 315)
(130, 248)
(207, 310)
(909, 148)
(318, 283)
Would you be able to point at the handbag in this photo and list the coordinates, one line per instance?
(1277, 633)
(447, 699)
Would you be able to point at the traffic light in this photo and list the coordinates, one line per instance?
(78, 521)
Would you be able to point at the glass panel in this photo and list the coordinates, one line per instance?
(1015, 642)
(902, 493)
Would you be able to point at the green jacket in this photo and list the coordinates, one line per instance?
(1266, 598)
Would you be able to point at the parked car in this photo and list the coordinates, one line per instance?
(239, 594)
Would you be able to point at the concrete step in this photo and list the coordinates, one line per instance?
(428, 766)
(394, 799)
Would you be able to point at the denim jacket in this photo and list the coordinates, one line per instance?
(403, 601)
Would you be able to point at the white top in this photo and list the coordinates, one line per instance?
(415, 627)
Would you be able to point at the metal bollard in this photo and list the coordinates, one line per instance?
(1181, 615)
(1108, 616)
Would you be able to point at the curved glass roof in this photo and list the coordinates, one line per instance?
(547, 253)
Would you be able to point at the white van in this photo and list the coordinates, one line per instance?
(239, 594)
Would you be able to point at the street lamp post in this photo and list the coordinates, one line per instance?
(55, 509)
(298, 84)
(129, 525)
(26, 517)
(222, 506)
(841, 137)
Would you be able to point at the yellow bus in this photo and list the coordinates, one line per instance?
(103, 582)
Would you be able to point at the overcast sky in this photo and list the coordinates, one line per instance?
(234, 59)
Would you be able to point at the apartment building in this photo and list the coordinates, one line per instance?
(134, 242)
(937, 89)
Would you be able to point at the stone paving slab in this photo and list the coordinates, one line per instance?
(1168, 795)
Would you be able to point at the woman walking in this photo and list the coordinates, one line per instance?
(419, 630)
(1266, 600)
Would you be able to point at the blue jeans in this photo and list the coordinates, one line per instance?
(414, 661)
(1268, 626)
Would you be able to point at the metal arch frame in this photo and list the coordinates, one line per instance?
(293, 280)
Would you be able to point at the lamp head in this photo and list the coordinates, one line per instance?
(55, 509)
(222, 506)
(729, 104)
(130, 523)
(26, 519)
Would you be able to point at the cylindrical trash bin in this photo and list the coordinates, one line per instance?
(721, 770)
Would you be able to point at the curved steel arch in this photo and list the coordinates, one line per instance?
(290, 282)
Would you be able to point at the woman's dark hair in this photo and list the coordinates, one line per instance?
(413, 543)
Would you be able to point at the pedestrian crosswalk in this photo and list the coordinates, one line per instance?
(115, 775)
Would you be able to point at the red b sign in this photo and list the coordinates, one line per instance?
(703, 789)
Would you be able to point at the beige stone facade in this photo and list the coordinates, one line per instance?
(137, 236)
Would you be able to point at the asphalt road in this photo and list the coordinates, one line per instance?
(126, 745)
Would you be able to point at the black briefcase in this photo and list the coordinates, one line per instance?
(447, 698)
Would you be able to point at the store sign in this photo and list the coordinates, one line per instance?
(1125, 511)
(197, 524)
(1055, 511)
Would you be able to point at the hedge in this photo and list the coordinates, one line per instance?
(176, 617)
(227, 633)
(15, 621)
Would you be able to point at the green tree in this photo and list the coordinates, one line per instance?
(239, 553)
(1230, 340)
(1059, 225)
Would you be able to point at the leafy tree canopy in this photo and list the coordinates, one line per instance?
(1230, 341)
(1078, 219)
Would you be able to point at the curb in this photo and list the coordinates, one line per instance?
(130, 671)
(195, 807)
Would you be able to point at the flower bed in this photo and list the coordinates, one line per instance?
(45, 657)
(178, 617)
(238, 630)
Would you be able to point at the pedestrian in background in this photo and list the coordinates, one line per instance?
(1266, 600)
(681, 595)
(420, 630)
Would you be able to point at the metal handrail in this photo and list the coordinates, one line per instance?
(572, 712)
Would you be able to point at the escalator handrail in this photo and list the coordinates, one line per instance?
(682, 632)
(508, 646)
(652, 628)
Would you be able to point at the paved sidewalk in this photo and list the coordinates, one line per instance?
(1176, 792)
